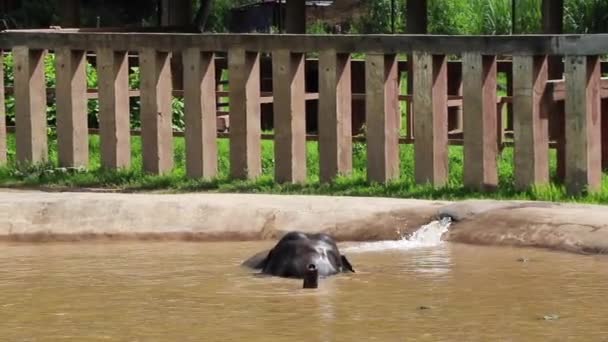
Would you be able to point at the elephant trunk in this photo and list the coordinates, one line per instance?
(311, 277)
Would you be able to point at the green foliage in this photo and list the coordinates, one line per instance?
(528, 16)
(490, 17)
(378, 19)
(317, 27)
(448, 16)
(586, 16)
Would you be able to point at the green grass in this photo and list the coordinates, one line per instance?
(134, 179)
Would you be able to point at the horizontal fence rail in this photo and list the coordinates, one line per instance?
(573, 100)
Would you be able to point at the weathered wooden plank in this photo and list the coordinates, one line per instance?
(295, 15)
(531, 153)
(479, 107)
(381, 112)
(409, 113)
(113, 71)
(430, 119)
(583, 136)
(30, 105)
(605, 135)
(156, 111)
(3, 147)
(245, 126)
(335, 115)
(289, 116)
(72, 121)
(589, 44)
(417, 16)
(200, 114)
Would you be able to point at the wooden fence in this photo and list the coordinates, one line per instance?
(534, 97)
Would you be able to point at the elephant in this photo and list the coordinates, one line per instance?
(298, 253)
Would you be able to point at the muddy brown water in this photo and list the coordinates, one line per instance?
(198, 292)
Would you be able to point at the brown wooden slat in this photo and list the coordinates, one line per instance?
(3, 143)
(200, 114)
(113, 71)
(583, 134)
(289, 116)
(335, 115)
(30, 105)
(479, 107)
(245, 146)
(586, 44)
(605, 135)
(156, 112)
(531, 153)
(72, 110)
(382, 111)
(430, 119)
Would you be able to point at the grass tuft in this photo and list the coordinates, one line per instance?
(49, 175)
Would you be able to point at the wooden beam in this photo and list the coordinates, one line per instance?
(200, 114)
(552, 12)
(479, 107)
(72, 110)
(335, 115)
(113, 71)
(289, 111)
(245, 126)
(553, 23)
(587, 44)
(70, 13)
(416, 16)
(531, 155)
(382, 112)
(30, 105)
(583, 136)
(176, 12)
(605, 135)
(431, 122)
(156, 111)
(3, 143)
(295, 16)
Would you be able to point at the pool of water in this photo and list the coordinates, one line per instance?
(198, 292)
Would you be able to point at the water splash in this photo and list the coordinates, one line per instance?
(428, 235)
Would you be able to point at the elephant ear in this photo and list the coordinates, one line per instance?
(258, 261)
(346, 264)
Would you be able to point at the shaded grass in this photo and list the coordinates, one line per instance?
(134, 179)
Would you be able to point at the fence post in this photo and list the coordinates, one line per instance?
(530, 120)
(583, 136)
(200, 113)
(3, 148)
(245, 126)
(479, 108)
(156, 111)
(115, 131)
(605, 135)
(430, 119)
(72, 110)
(382, 117)
(114, 127)
(30, 105)
(289, 116)
(335, 115)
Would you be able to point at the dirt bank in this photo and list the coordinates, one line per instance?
(35, 216)
(567, 227)
(45, 216)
